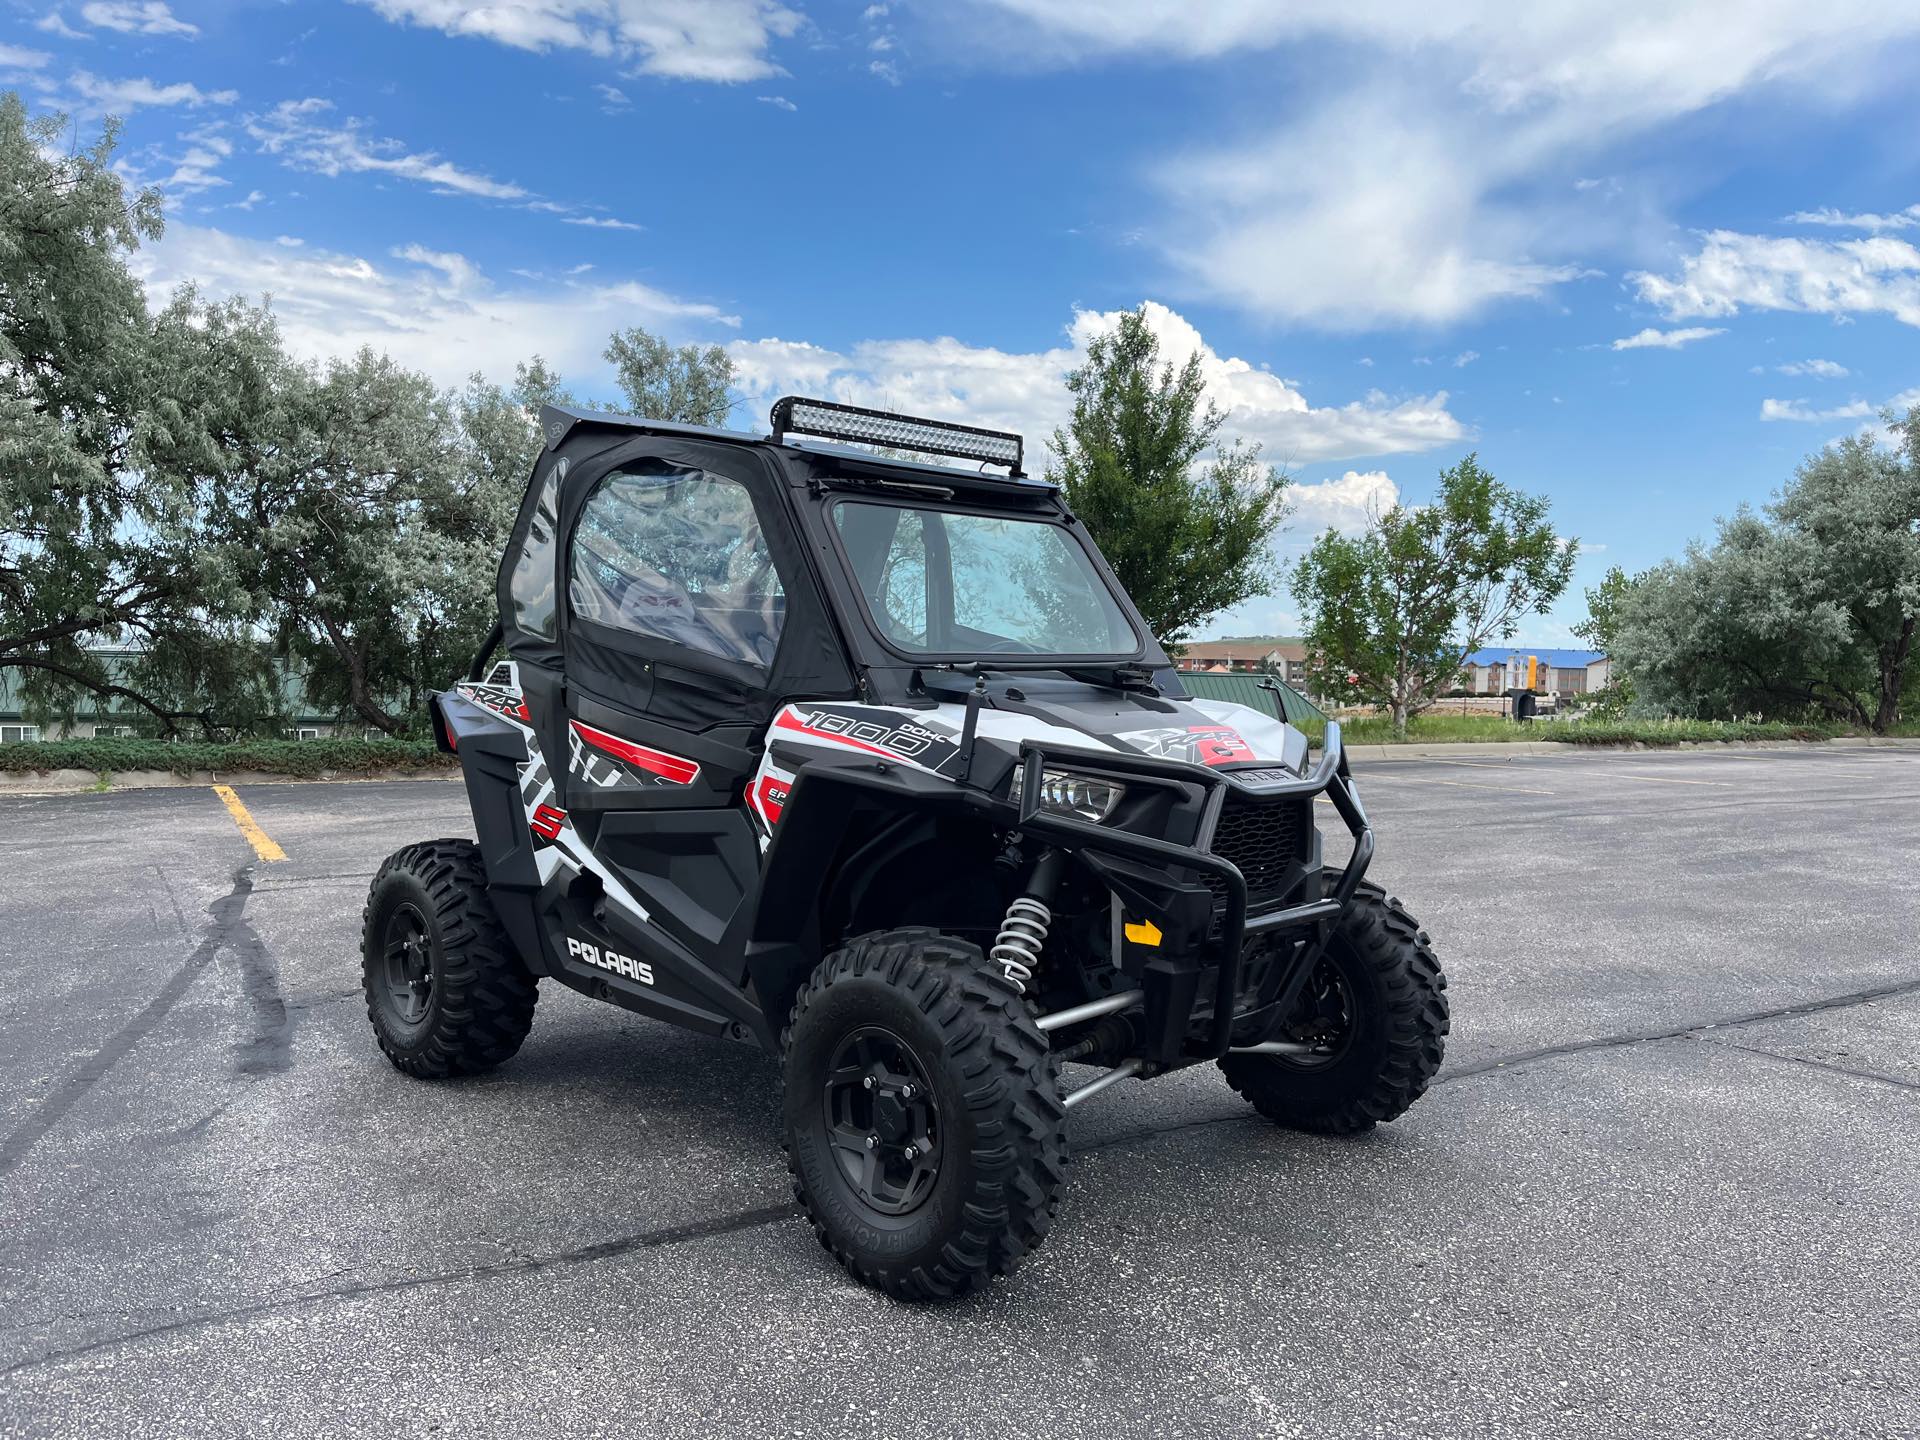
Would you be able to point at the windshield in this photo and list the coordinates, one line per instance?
(938, 582)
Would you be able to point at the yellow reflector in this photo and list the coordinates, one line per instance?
(1143, 932)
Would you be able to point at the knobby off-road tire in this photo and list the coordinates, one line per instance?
(1395, 1039)
(896, 1003)
(476, 1003)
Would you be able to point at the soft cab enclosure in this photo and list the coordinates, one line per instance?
(875, 765)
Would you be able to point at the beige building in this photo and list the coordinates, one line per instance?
(1275, 654)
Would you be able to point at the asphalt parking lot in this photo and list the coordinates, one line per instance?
(1669, 1181)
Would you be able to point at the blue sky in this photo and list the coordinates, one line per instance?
(1640, 260)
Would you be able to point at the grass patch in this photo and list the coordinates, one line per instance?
(298, 758)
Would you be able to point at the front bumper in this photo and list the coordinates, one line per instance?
(1170, 982)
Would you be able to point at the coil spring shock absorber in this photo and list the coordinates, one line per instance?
(1016, 949)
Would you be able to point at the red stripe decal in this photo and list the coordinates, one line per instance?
(788, 722)
(656, 762)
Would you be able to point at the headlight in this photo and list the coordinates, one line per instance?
(1064, 792)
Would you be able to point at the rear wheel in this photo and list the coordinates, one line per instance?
(446, 992)
(924, 1128)
(1375, 1011)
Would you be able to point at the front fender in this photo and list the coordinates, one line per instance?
(832, 801)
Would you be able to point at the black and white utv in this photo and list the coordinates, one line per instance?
(873, 764)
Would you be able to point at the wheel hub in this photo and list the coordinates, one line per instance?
(407, 963)
(1322, 1016)
(881, 1120)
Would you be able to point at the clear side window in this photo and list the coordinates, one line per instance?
(678, 555)
(534, 572)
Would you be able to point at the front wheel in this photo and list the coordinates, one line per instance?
(924, 1128)
(1375, 1011)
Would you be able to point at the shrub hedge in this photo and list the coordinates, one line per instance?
(301, 758)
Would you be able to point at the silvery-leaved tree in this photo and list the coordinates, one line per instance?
(102, 534)
(1392, 612)
(1811, 607)
(689, 384)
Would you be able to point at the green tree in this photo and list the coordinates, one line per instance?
(102, 535)
(1809, 607)
(1401, 605)
(1187, 539)
(687, 384)
(1601, 630)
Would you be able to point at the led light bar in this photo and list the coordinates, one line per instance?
(795, 414)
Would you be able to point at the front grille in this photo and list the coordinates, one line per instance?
(1265, 840)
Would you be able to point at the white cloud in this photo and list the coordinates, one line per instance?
(291, 242)
(16, 57)
(779, 102)
(1428, 171)
(1651, 339)
(462, 274)
(613, 97)
(1465, 358)
(1819, 369)
(54, 23)
(948, 379)
(293, 133)
(601, 222)
(435, 311)
(1853, 410)
(1733, 272)
(1344, 504)
(122, 96)
(254, 197)
(194, 170)
(1840, 220)
(716, 40)
(1371, 210)
(1798, 410)
(136, 17)
(886, 70)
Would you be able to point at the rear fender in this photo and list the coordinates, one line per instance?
(492, 751)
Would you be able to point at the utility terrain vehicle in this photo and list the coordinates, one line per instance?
(872, 764)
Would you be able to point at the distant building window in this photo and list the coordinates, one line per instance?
(304, 732)
(374, 732)
(112, 732)
(18, 734)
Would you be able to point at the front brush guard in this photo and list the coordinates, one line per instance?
(1331, 775)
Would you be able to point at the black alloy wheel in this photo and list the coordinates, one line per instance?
(882, 1120)
(1322, 1017)
(407, 964)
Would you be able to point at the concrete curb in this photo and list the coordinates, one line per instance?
(78, 782)
(1504, 750)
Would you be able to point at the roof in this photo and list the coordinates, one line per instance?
(1559, 659)
(1250, 648)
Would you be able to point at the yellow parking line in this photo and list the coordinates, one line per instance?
(263, 844)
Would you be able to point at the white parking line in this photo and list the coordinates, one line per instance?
(1376, 776)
